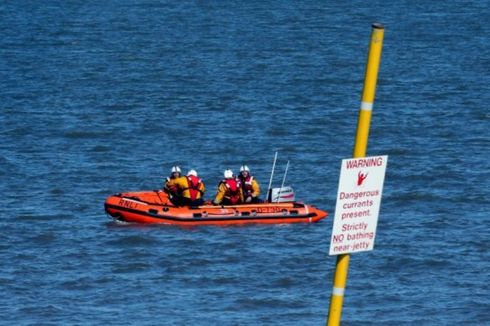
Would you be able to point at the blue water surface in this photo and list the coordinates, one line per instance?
(103, 97)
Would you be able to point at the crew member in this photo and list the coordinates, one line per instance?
(174, 185)
(229, 190)
(250, 186)
(193, 190)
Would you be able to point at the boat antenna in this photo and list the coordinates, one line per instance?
(283, 180)
(269, 195)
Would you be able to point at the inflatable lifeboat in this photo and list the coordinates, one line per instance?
(156, 207)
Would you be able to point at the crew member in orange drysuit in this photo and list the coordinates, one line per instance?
(229, 191)
(250, 186)
(193, 190)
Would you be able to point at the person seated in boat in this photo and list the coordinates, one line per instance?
(173, 186)
(250, 186)
(229, 190)
(193, 189)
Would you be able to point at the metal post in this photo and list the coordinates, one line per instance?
(282, 184)
(360, 147)
(270, 181)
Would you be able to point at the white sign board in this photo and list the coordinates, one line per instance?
(358, 202)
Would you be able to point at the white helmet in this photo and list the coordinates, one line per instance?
(244, 168)
(192, 172)
(228, 174)
(175, 169)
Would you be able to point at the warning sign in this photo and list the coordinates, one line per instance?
(358, 202)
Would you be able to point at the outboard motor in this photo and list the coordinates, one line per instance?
(282, 195)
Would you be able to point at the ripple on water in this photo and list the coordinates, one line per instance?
(134, 241)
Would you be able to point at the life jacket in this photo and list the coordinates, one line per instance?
(193, 184)
(172, 189)
(247, 185)
(232, 190)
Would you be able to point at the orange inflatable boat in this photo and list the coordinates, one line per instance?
(156, 207)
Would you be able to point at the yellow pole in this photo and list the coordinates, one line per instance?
(360, 147)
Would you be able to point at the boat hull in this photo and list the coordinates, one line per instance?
(150, 207)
